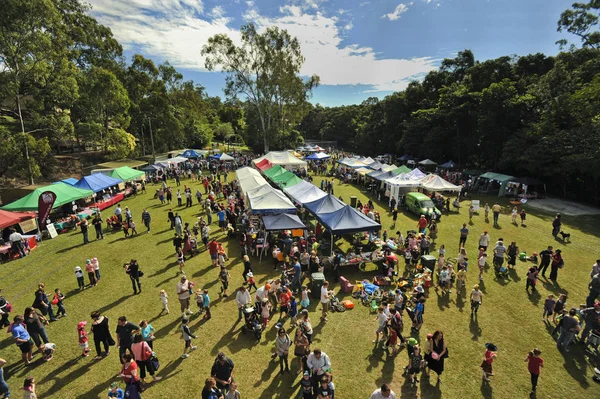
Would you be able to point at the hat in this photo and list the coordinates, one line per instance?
(81, 324)
(278, 325)
(491, 347)
(412, 341)
(77, 268)
(94, 260)
(306, 373)
(114, 385)
(420, 289)
(265, 300)
(87, 262)
(250, 274)
(558, 250)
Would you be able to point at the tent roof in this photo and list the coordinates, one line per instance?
(177, 159)
(304, 192)
(497, 176)
(190, 154)
(436, 183)
(363, 171)
(246, 171)
(221, 157)
(250, 182)
(347, 220)
(383, 175)
(281, 158)
(64, 194)
(69, 180)
(274, 171)
(291, 182)
(152, 168)
(264, 165)
(416, 174)
(286, 178)
(282, 221)
(406, 158)
(530, 181)
(404, 180)
(97, 182)
(427, 162)
(402, 169)
(126, 173)
(270, 201)
(327, 204)
(317, 156)
(376, 165)
(448, 165)
(389, 168)
(10, 218)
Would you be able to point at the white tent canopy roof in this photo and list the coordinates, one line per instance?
(251, 182)
(267, 200)
(245, 172)
(435, 183)
(282, 158)
(304, 192)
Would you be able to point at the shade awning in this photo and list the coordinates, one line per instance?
(281, 158)
(221, 157)
(283, 221)
(97, 182)
(126, 173)
(347, 220)
(327, 204)
(190, 154)
(69, 180)
(436, 183)
(10, 218)
(274, 171)
(64, 194)
(305, 192)
(152, 168)
(264, 165)
(427, 162)
(269, 201)
(317, 156)
(448, 165)
(402, 169)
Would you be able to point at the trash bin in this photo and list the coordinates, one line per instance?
(317, 280)
(353, 201)
(428, 261)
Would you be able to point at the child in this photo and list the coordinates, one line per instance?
(115, 391)
(305, 301)
(125, 226)
(534, 365)
(486, 211)
(471, 212)
(407, 258)
(224, 277)
(83, 338)
(47, 351)
(559, 306)
(79, 275)
(523, 217)
(293, 310)
(548, 307)
(89, 268)
(306, 384)
(443, 281)
(393, 341)
(206, 304)
(132, 227)
(221, 259)
(251, 281)
(187, 336)
(461, 279)
(531, 278)
(481, 262)
(180, 260)
(486, 364)
(382, 321)
(415, 364)
(59, 297)
(96, 269)
(164, 299)
(265, 311)
(233, 393)
(200, 301)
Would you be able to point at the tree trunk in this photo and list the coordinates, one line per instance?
(18, 100)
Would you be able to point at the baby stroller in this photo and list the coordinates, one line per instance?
(499, 269)
(252, 323)
(335, 305)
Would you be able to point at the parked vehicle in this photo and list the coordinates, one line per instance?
(420, 204)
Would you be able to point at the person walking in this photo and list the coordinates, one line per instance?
(464, 233)
(556, 225)
(35, 323)
(282, 349)
(97, 222)
(486, 364)
(142, 353)
(242, 299)
(183, 294)
(125, 331)
(146, 219)
(484, 240)
(545, 259)
(101, 331)
(534, 365)
(496, 208)
(569, 327)
(133, 270)
(22, 339)
(557, 263)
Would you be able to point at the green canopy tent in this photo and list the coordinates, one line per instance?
(126, 173)
(292, 181)
(283, 178)
(64, 194)
(274, 171)
(482, 181)
(402, 169)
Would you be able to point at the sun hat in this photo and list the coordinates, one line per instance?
(114, 385)
(77, 268)
(81, 324)
(491, 347)
(419, 289)
(87, 262)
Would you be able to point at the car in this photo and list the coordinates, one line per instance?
(420, 204)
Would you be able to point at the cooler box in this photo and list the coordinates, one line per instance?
(428, 261)
(353, 201)
(317, 280)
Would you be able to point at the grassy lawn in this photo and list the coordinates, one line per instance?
(509, 317)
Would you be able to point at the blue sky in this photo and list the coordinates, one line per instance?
(359, 48)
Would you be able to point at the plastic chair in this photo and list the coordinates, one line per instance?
(374, 306)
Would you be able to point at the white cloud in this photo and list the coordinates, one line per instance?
(399, 10)
(165, 30)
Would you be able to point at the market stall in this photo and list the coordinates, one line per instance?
(304, 192)
(269, 201)
(126, 173)
(64, 195)
(282, 158)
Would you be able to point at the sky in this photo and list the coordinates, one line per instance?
(359, 48)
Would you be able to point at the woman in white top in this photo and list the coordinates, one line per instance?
(513, 215)
(476, 299)
(325, 294)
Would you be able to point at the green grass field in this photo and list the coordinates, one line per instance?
(509, 316)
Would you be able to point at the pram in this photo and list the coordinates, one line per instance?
(252, 323)
(194, 247)
(335, 305)
(499, 268)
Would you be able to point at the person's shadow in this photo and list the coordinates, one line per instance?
(474, 328)
(486, 390)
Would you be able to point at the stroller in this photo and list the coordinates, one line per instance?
(499, 269)
(252, 323)
(335, 305)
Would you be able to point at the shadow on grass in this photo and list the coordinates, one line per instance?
(165, 330)
(486, 390)
(474, 328)
(576, 365)
(428, 390)
(60, 251)
(163, 270)
(534, 297)
(113, 304)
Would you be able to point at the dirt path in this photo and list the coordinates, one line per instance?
(565, 207)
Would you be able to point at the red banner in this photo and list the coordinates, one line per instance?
(45, 204)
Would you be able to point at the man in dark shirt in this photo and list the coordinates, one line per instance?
(177, 242)
(568, 328)
(97, 222)
(464, 233)
(545, 258)
(125, 330)
(222, 371)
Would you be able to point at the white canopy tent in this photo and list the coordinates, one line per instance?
(304, 192)
(436, 183)
(400, 184)
(282, 158)
(176, 160)
(251, 182)
(268, 201)
(245, 172)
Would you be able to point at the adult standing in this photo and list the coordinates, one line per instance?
(557, 263)
(385, 392)
(101, 332)
(178, 224)
(437, 352)
(499, 251)
(302, 349)
(545, 259)
(128, 215)
(4, 311)
(325, 295)
(422, 224)
(512, 252)
(484, 240)
(247, 267)
(171, 217)
(222, 371)
(130, 371)
(133, 270)
(146, 219)
(318, 363)
(534, 365)
(22, 339)
(97, 222)
(594, 287)
(213, 250)
(496, 208)
(35, 326)
(556, 225)
(119, 213)
(183, 294)
(464, 233)
(306, 325)
(16, 243)
(142, 354)
(296, 272)
(283, 343)
(592, 320)
(84, 226)
(242, 299)
(210, 390)
(42, 303)
(569, 327)
(125, 330)
(4, 390)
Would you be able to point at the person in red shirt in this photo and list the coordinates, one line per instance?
(422, 224)
(284, 300)
(213, 250)
(534, 365)
(486, 364)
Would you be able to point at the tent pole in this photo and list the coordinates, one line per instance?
(331, 249)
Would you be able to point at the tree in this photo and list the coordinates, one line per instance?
(264, 69)
(582, 21)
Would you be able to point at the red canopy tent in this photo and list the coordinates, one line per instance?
(10, 218)
(264, 165)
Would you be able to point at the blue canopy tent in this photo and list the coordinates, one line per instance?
(97, 182)
(448, 165)
(324, 205)
(405, 158)
(317, 156)
(347, 220)
(283, 221)
(190, 154)
(71, 181)
(221, 157)
(152, 168)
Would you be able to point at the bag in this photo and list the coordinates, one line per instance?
(155, 363)
(132, 391)
(140, 273)
(111, 341)
(435, 355)
(446, 354)
(55, 300)
(561, 264)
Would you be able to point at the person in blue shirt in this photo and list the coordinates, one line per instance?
(221, 216)
(464, 232)
(296, 272)
(115, 391)
(22, 339)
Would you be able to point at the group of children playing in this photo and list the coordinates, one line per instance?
(92, 267)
